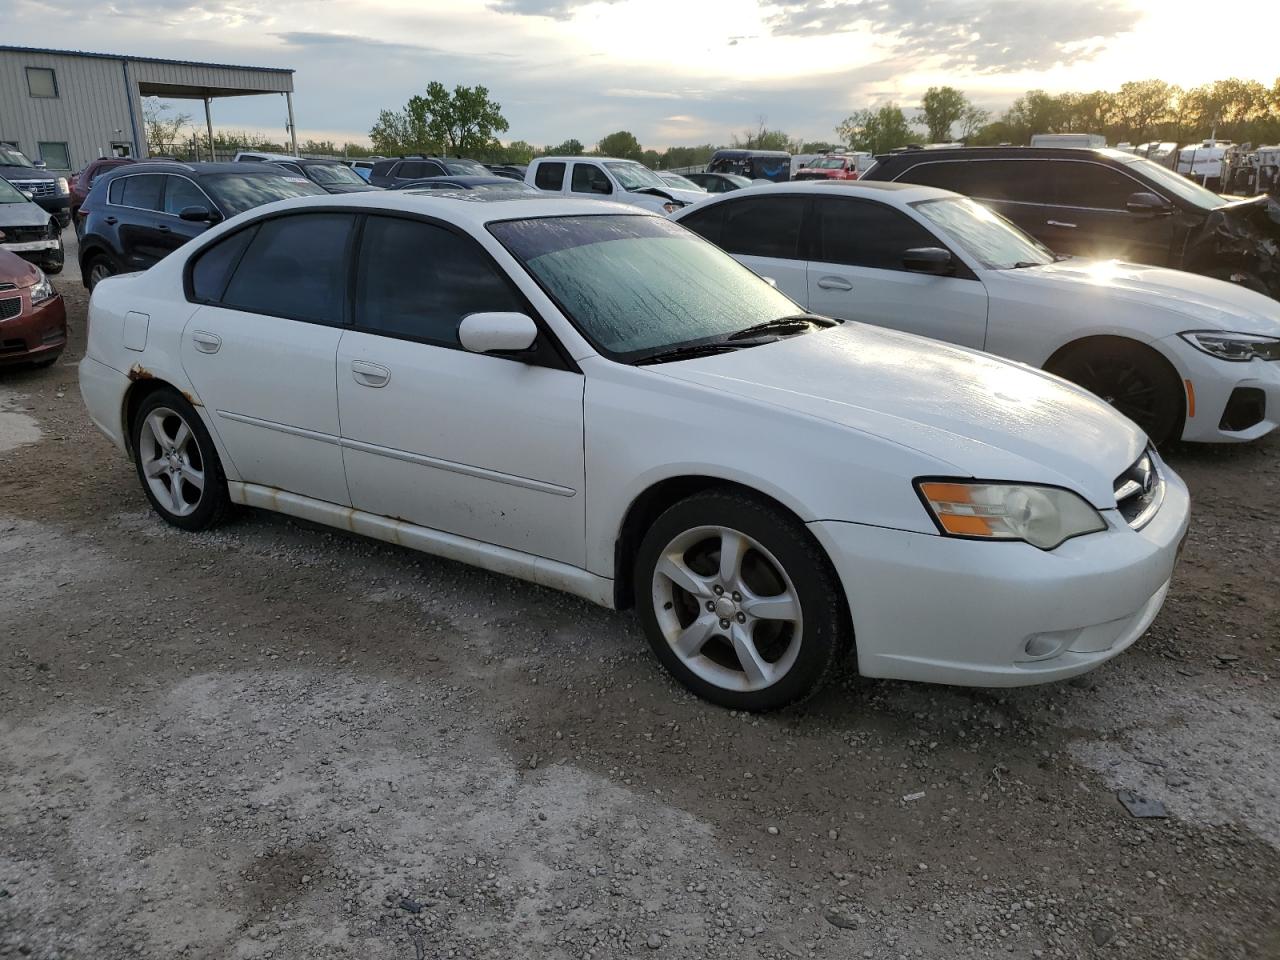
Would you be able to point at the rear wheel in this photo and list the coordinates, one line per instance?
(1135, 380)
(100, 267)
(177, 462)
(739, 602)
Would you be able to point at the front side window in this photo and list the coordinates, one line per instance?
(180, 193)
(56, 156)
(763, 227)
(9, 193)
(296, 267)
(986, 236)
(1091, 185)
(550, 176)
(142, 192)
(863, 233)
(588, 178)
(418, 280)
(237, 192)
(635, 285)
(42, 82)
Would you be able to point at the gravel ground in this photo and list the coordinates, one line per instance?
(277, 741)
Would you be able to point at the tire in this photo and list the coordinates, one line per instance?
(1135, 380)
(178, 468)
(100, 267)
(1240, 277)
(55, 261)
(699, 618)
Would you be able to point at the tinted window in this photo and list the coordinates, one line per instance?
(419, 280)
(1092, 185)
(416, 170)
(142, 191)
(550, 176)
(588, 178)
(863, 233)
(706, 221)
(238, 192)
(1025, 181)
(295, 267)
(180, 193)
(213, 267)
(763, 227)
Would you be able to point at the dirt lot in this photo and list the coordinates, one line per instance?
(277, 741)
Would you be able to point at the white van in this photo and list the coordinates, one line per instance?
(624, 181)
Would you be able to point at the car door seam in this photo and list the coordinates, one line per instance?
(452, 466)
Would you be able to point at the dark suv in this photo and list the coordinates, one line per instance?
(135, 215)
(1108, 204)
(331, 176)
(399, 170)
(50, 190)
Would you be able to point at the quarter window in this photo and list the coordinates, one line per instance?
(181, 193)
(1018, 181)
(550, 176)
(1092, 185)
(212, 268)
(588, 178)
(142, 191)
(417, 280)
(295, 267)
(42, 82)
(860, 233)
(763, 227)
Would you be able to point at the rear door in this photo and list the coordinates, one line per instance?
(548, 175)
(857, 274)
(1090, 217)
(261, 348)
(765, 233)
(138, 218)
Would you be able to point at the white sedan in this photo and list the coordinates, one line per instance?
(1183, 355)
(590, 397)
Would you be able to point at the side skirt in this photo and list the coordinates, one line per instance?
(487, 556)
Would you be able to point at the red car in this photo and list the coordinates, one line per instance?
(832, 167)
(82, 181)
(33, 318)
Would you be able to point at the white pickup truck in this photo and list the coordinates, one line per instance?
(624, 181)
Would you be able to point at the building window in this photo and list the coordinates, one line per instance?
(56, 156)
(41, 82)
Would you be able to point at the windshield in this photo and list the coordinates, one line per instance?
(507, 186)
(829, 163)
(13, 158)
(1177, 184)
(466, 168)
(637, 285)
(633, 176)
(238, 192)
(9, 193)
(333, 173)
(987, 237)
(679, 182)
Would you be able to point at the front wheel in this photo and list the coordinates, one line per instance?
(177, 462)
(54, 261)
(1135, 380)
(739, 602)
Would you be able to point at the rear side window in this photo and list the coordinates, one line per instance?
(1018, 181)
(212, 268)
(588, 178)
(550, 176)
(295, 267)
(863, 233)
(418, 280)
(416, 170)
(1092, 185)
(142, 192)
(763, 227)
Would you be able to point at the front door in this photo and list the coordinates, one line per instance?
(1090, 217)
(485, 447)
(261, 351)
(763, 233)
(179, 194)
(858, 275)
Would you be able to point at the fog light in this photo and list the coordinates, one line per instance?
(1039, 646)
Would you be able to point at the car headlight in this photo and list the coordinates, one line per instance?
(671, 206)
(42, 290)
(63, 189)
(1041, 516)
(1236, 347)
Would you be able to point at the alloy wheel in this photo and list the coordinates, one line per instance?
(171, 461)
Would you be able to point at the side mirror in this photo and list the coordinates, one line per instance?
(39, 164)
(199, 215)
(1147, 204)
(933, 260)
(497, 332)
(28, 194)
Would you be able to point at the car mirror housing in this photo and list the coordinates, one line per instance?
(28, 194)
(934, 260)
(199, 215)
(497, 332)
(1146, 203)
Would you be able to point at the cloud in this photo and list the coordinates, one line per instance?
(555, 9)
(982, 35)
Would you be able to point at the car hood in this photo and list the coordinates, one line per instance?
(15, 270)
(25, 214)
(976, 414)
(684, 196)
(1204, 301)
(347, 187)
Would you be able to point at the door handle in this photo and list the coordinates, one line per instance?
(163, 228)
(834, 283)
(111, 221)
(1060, 223)
(369, 374)
(206, 342)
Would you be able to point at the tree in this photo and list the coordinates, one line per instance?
(815, 146)
(464, 121)
(517, 151)
(622, 144)
(762, 139)
(163, 131)
(570, 148)
(941, 108)
(1140, 105)
(877, 131)
(972, 120)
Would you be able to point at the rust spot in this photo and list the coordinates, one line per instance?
(191, 399)
(139, 372)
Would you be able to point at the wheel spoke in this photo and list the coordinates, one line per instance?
(690, 641)
(153, 468)
(192, 476)
(781, 607)
(181, 436)
(733, 547)
(677, 571)
(155, 423)
(175, 493)
(758, 671)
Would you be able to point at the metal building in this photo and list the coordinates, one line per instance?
(67, 108)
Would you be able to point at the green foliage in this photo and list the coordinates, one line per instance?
(679, 157)
(762, 139)
(878, 131)
(464, 121)
(815, 146)
(941, 108)
(622, 144)
(570, 148)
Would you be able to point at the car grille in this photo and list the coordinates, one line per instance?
(1139, 492)
(37, 188)
(23, 234)
(10, 307)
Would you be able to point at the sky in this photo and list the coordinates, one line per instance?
(673, 72)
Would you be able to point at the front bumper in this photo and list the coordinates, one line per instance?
(36, 334)
(944, 610)
(1217, 385)
(60, 207)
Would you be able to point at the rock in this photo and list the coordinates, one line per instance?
(842, 920)
(412, 906)
(773, 831)
(654, 941)
(1102, 934)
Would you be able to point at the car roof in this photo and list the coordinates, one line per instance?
(991, 153)
(903, 192)
(466, 179)
(201, 168)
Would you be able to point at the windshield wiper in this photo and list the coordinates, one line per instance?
(690, 351)
(796, 323)
(1024, 264)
